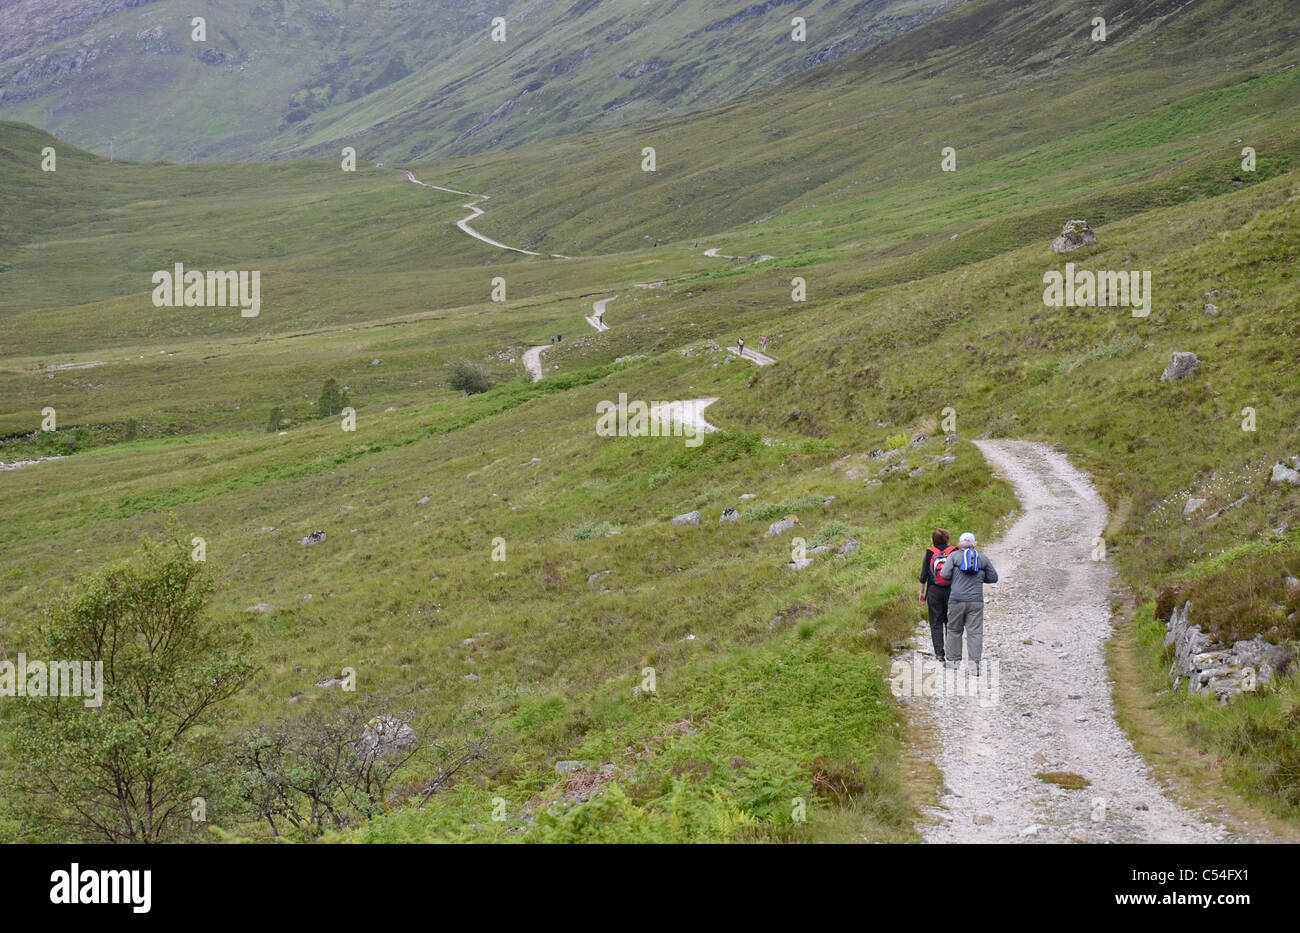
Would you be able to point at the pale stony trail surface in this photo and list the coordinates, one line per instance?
(754, 356)
(598, 312)
(688, 412)
(475, 212)
(533, 360)
(1048, 706)
(714, 254)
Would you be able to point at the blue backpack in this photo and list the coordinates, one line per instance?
(970, 560)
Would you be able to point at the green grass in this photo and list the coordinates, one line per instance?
(768, 681)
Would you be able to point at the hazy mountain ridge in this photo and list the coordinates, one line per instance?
(406, 79)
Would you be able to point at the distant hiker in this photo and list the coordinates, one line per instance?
(967, 570)
(559, 337)
(740, 346)
(656, 242)
(935, 590)
(697, 245)
(762, 343)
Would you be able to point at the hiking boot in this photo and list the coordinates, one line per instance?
(975, 672)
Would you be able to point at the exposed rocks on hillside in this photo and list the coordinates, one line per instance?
(382, 736)
(1221, 670)
(781, 526)
(1074, 234)
(316, 537)
(1284, 474)
(687, 518)
(1180, 366)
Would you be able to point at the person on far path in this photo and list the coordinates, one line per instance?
(740, 346)
(762, 342)
(935, 590)
(966, 570)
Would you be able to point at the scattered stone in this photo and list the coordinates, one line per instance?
(316, 537)
(332, 682)
(567, 767)
(1074, 234)
(260, 607)
(848, 548)
(875, 453)
(872, 483)
(1031, 830)
(1211, 309)
(748, 495)
(729, 515)
(828, 500)
(819, 548)
(782, 525)
(1284, 474)
(1192, 505)
(687, 518)
(918, 439)
(950, 439)
(470, 676)
(917, 472)
(1180, 366)
(946, 461)
(382, 736)
(1218, 669)
(799, 564)
(597, 575)
(423, 501)
(983, 819)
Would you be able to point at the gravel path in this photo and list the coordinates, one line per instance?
(1049, 706)
(533, 360)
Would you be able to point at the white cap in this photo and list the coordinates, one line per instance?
(966, 540)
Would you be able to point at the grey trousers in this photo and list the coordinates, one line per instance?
(970, 618)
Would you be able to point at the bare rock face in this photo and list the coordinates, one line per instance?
(687, 518)
(1074, 234)
(1218, 669)
(1180, 366)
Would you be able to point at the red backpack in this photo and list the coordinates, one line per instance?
(934, 553)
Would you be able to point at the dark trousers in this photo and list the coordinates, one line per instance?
(936, 600)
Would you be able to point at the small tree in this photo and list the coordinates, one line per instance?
(332, 400)
(467, 377)
(127, 769)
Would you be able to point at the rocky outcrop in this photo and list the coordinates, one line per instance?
(1180, 366)
(687, 518)
(1217, 669)
(1074, 234)
(382, 736)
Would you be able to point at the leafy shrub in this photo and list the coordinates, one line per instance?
(467, 377)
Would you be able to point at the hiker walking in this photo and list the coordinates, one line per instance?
(762, 343)
(966, 570)
(934, 591)
(740, 346)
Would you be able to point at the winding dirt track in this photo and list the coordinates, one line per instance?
(1046, 626)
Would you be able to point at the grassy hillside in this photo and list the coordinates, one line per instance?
(924, 291)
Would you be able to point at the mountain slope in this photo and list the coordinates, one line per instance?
(399, 80)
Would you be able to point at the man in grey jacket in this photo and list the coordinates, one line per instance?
(968, 570)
